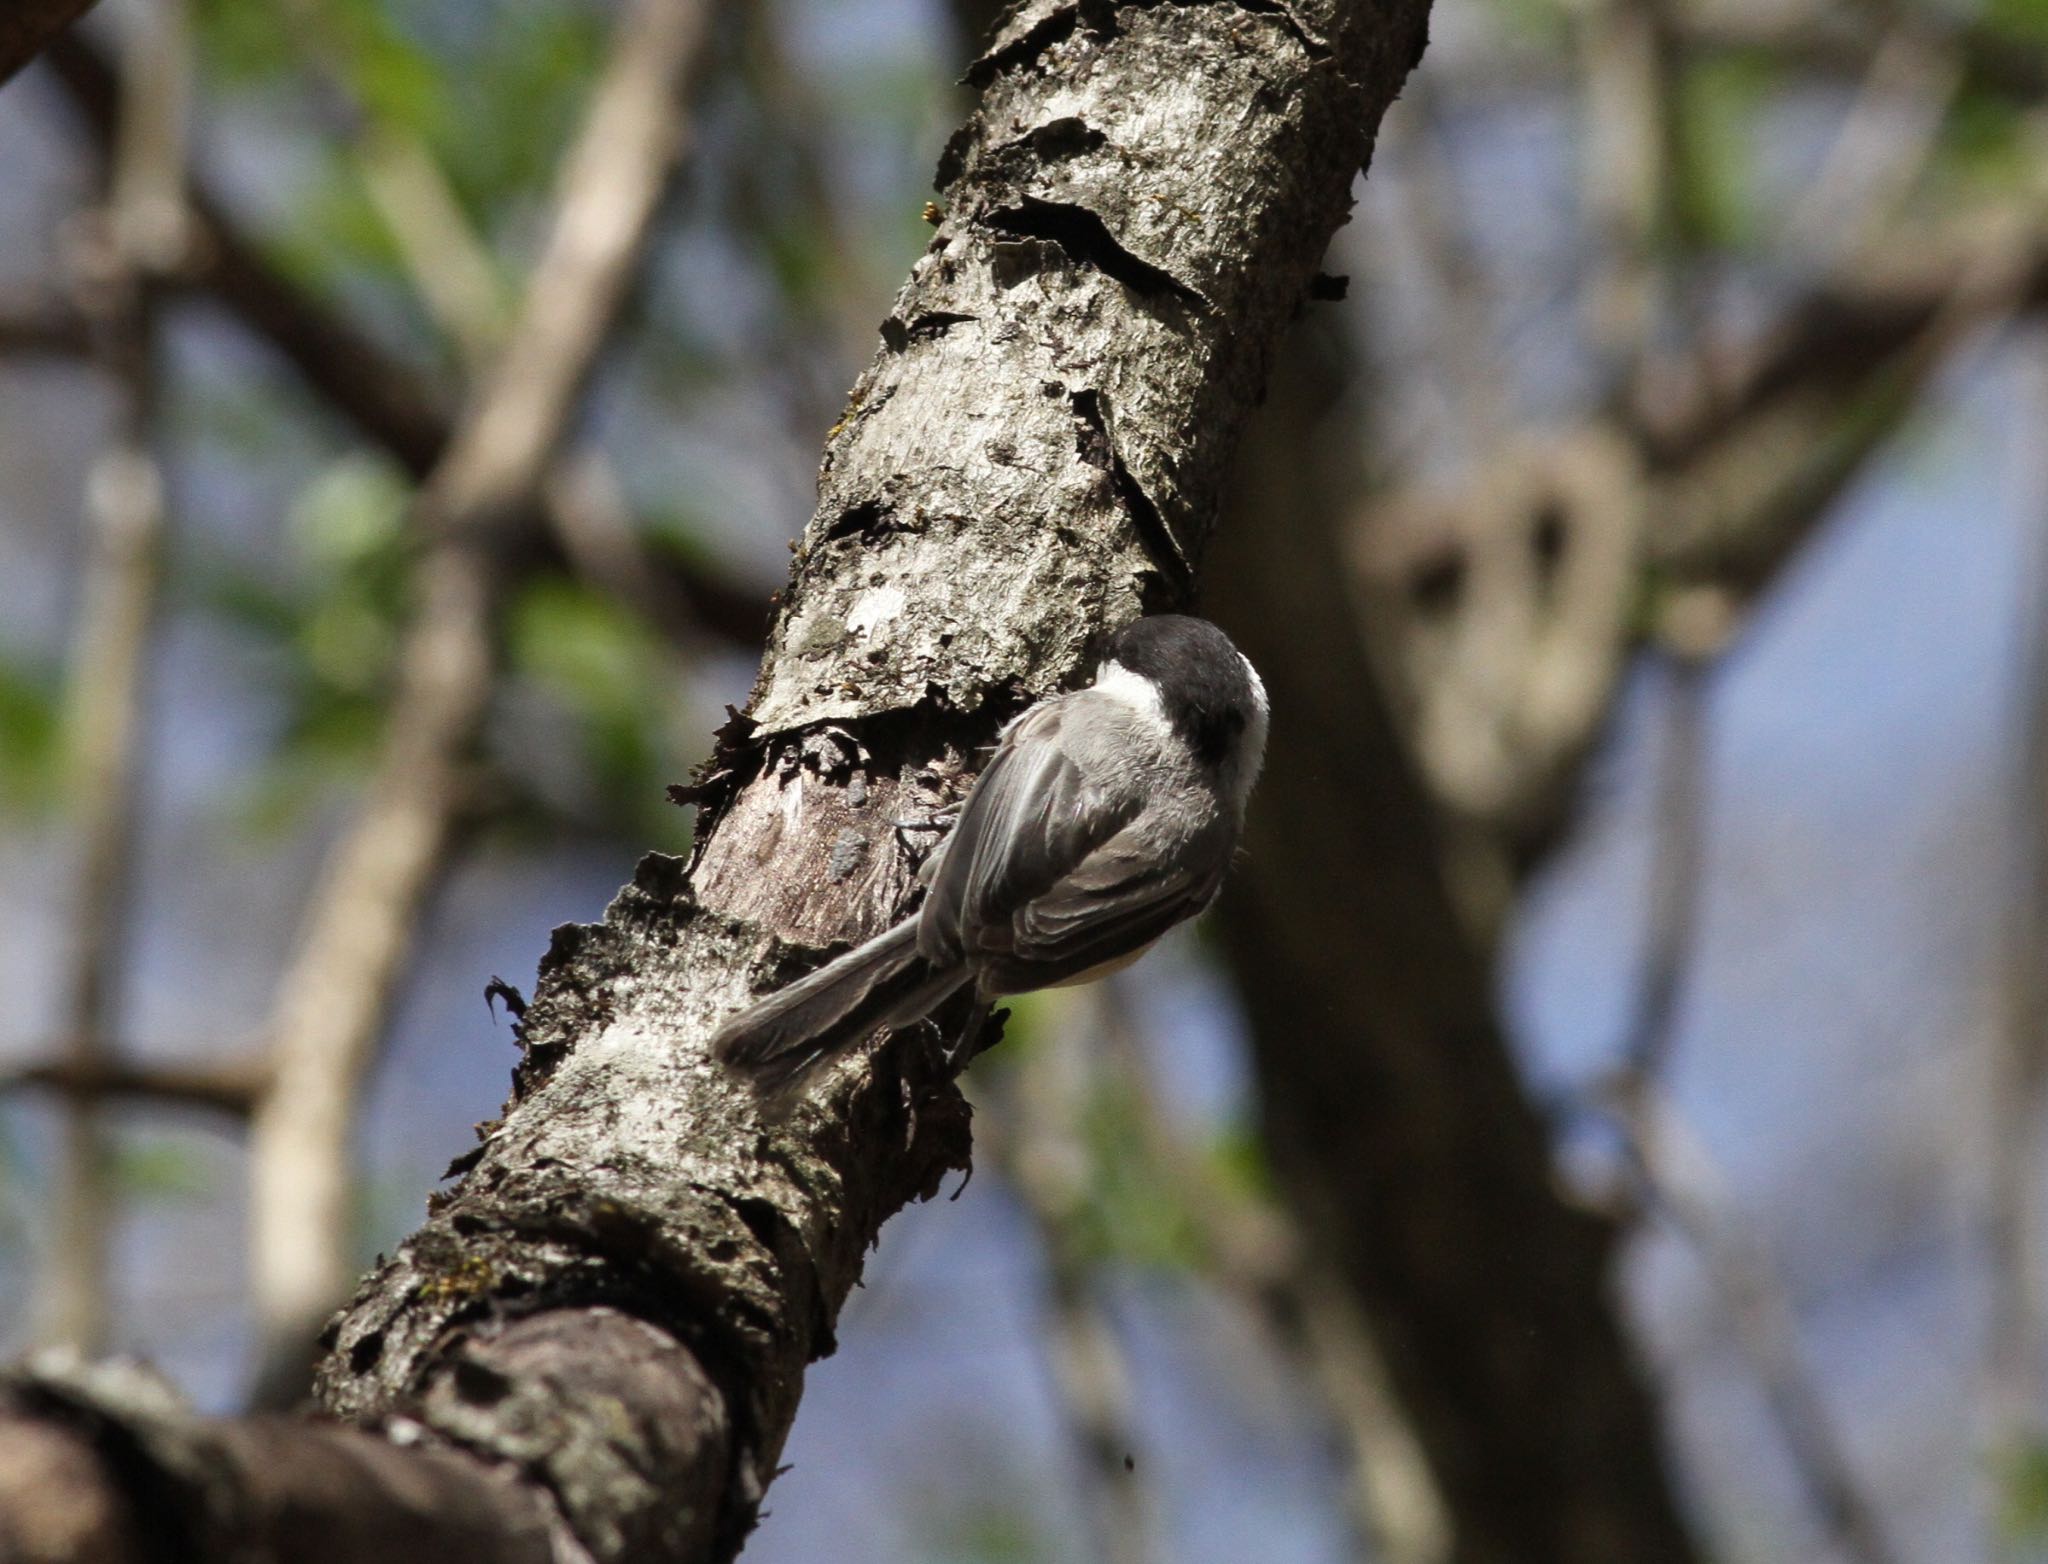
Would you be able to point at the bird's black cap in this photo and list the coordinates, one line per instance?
(1205, 688)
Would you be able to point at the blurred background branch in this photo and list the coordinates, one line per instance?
(119, 253)
(334, 1000)
(2012, 1421)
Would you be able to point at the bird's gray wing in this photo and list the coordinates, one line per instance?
(1116, 901)
(1044, 878)
(1030, 820)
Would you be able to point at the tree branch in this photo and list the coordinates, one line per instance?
(1030, 370)
(1033, 1131)
(1254, 1250)
(231, 1089)
(1668, 1170)
(43, 328)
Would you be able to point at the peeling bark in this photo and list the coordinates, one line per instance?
(618, 1301)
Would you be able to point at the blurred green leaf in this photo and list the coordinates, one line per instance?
(1237, 1158)
(1535, 21)
(1721, 104)
(335, 229)
(1984, 141)
(350, 514)
(394, 77)
(2022, 1479)
(31, 735)
(241, 43)
(610, 673)
(2026, 20)
(1134, 1213)
(521, 96)
(1028, 1026)
(156, 1167)
(329, 634)
(986, 1532)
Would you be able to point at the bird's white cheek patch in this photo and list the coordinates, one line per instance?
(1134, 690)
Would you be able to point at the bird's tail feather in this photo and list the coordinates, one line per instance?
(884, 983)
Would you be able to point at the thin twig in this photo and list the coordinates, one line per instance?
(449, 264)
(1746, 486)
(230, 1089)
(43, 328)
(1463, 312)
(132, 238)
(1669, 1172)
(1886, 139)
(1629, 176)
(1252, 1251)
(2019, 1062)
(452, 271)
(358, 935)
(1679, 843)
(1039, 1146)
(1676, 1181)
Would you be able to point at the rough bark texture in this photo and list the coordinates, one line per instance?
(1130, 219)
(1396, 1117)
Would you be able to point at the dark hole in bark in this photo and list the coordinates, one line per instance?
(1083, 237)
(763, 1221)
(1065, 137)
(857, 520)
(363, 1356)
(932, 323)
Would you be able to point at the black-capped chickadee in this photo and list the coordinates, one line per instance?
(1105, 817)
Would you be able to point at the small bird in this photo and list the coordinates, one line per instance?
(1106, 816)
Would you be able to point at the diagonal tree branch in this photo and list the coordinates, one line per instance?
(614, 1309)
(381, 395)
(1502, 612)
(1255, 1251)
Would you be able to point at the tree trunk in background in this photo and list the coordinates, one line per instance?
(605, 1326)
(1397, 1123)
